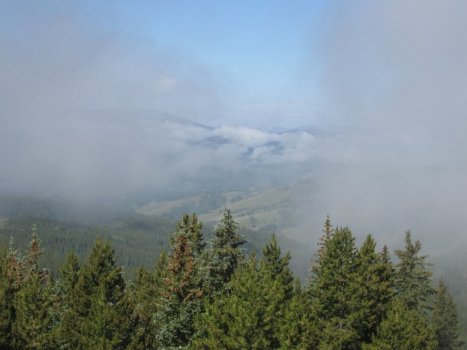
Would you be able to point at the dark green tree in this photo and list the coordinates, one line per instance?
(333, 292)
(226, 251)
(96, 314)
(413, 279)
(145, 294)
(375, 278)
(250, 313)
(34, 323)
(298, 330)
(183, 285)
(327, 233)
(445, 322)
(403, 329)
(69, 274)
(277, 265)
(9, 286)
(65, 333)
(25, 315)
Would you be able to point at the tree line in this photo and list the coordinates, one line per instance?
(214, 296)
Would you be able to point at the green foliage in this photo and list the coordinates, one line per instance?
(96, 313)
(8, 290)
(215, 299)
(350, 290)
(249, 315)
(413, 279)
(136, 239)
(34, 323)
(226, 252)
(445, 320)
(403, 329)
(145, 294)
(298, 329)
(375, 279)
(277, 266)
(183, 289)
(334, 292)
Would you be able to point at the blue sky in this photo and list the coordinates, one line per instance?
(261, 57)
(385, 80)
(262, 43)
(261, 51)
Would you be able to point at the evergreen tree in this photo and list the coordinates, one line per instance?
(8, 289)
(375, 279)
(445, 320)
(413, 279)
(145, 294)
(327, 233)
(277, 265)
(403, 329)
(298, 330)
(69, 274)
(226, 251)
(251, 314)
(96, 315)
(143, 298)
(24, 317)
(333, 292)
(183, 289)
(33, 327)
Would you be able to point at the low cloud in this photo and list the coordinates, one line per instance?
(394, 81)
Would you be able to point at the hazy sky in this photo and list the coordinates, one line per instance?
(248, 59)
(86, 86)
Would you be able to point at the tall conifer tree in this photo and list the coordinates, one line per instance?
(333, 292)
(183, 290)
(97, 312)
(403, 329)
(413, 279)
(445, 323)
(375, 278)
(251, 314)
(226, 251)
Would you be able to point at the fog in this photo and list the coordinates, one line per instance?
(395, 84)
(89, 112)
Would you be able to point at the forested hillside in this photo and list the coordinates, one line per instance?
(136, 238)
(212, 294)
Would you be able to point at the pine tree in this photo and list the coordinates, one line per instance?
(403, 329)
(277, 265)
(23, 313)
(445, 323)
(183, 289)
(375, 278)
(7, 296)
(69, 273)
(96, 315)
(31, 263)
(251, 314)
(327, 233)
(298, 330)
(226, 252)
(333, 292)
(145, 294)
(413, 279)
(34, 324)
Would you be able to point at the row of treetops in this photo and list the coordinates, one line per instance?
(214, 296)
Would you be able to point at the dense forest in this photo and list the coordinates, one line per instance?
(215, 295)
